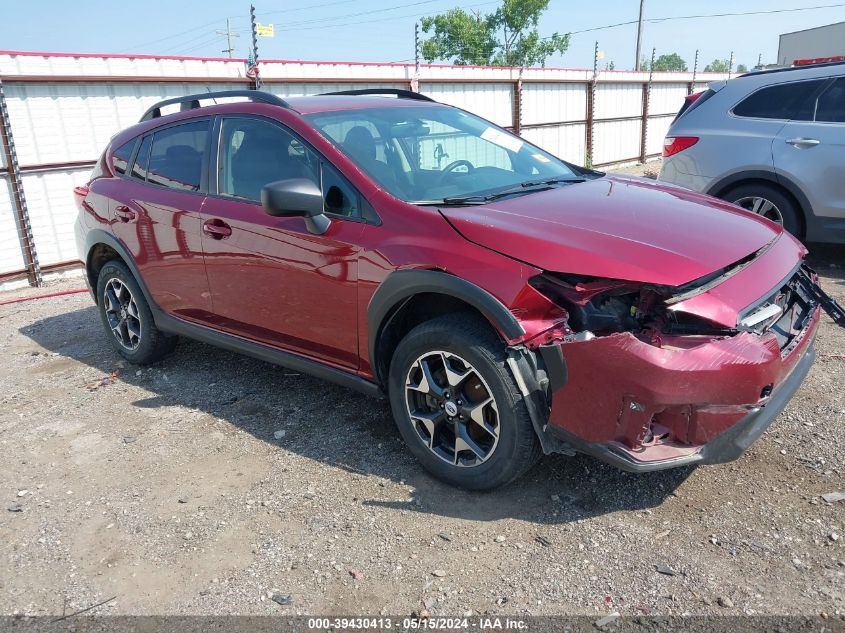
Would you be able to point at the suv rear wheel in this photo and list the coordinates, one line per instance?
(769, 202)
(127, 318)
(457, 405)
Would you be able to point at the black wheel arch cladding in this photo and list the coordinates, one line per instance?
(402, 285)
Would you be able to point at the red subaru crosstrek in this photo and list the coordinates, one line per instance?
(508, 303)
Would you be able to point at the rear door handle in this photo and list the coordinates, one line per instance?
(216, 229)
(803, 142)
(125, 214)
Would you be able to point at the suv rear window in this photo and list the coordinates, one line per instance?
(176, 156)
(831, 105)
(791, 101)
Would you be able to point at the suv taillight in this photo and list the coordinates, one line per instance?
(674, 144)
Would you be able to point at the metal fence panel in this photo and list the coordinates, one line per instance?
(618, 100)
(564, 141)
(52, 212)
(64, 122)
(553, 103)
(118, 65)
(11, 256)
(666, 98)
(616, 141)
(492, 101)
(302, 89)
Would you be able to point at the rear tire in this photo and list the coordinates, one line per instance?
(456, 365)
(127, 317)
(769, 202)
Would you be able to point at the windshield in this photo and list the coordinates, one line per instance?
(434, 154)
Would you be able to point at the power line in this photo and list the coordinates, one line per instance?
(170, 37)
(200, 45)
(377, 20)
(309, 7)
(692, 17)
(725, 15)
(187, 42)
(292, 25)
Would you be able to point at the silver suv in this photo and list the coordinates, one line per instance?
(772, 142)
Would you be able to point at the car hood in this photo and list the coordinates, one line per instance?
(617, 227)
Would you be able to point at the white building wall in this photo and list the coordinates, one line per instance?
(822, 41)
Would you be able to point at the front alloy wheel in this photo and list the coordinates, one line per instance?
(457, 405)
(452, 408)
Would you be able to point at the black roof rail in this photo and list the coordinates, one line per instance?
(401, 94)
(190, 102)
(764, 71)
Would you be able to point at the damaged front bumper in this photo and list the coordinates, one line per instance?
(643, 407)
(744, 425)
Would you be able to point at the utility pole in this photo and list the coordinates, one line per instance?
(639, 34)
(229, 35)
(760, 60)
(730, 64)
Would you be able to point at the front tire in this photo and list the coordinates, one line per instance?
(458, 407)
(127, 318)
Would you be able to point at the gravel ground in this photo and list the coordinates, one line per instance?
(212, 483)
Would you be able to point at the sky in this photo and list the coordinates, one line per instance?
(383, 30)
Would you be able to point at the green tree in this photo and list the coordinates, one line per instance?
(718, 66)
(507, 37)
(742, 68)
(670, 61)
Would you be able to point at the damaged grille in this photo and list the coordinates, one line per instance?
(785, 312)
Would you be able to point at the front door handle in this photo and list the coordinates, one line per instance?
(803, 142)
(125, 214)
(216, 229)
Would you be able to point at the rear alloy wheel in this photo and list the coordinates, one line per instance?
(122, 314)
(127, 318)
(761, 206)
(457, 405)
(768, 202)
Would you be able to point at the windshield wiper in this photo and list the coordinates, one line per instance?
(529, 186)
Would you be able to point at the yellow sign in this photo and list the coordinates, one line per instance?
(264, 30)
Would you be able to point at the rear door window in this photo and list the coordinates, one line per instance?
(176, 156)
(830, 107)
(791, 101)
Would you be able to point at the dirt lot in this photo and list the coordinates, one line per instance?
(211, 482)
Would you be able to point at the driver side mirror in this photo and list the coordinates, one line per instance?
(296, 196)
